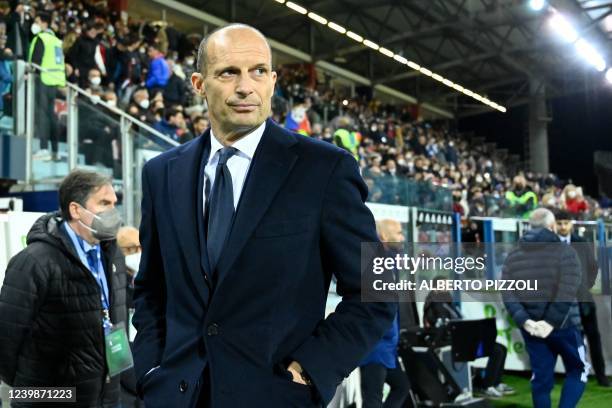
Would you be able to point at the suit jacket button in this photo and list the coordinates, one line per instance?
(213, 329)
(183, 386)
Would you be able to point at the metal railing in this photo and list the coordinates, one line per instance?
(125, 122)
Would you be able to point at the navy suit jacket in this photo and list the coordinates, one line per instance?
(301, 219)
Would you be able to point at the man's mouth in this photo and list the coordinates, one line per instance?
(244, 107)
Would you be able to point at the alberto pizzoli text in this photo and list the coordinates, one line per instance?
(457, 284)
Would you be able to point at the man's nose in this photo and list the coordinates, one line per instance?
(244, 86)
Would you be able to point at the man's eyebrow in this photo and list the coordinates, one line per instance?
(226, 68)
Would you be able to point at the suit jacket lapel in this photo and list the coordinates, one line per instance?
(272, 162)
(183, 183)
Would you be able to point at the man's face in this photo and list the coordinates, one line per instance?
(564, 227)
(101, 200)
(177, 119)
(392, 235)
(200, 126)
(238, 82)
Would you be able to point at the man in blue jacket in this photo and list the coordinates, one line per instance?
(159, 72)
(382, 365)
(549, 318)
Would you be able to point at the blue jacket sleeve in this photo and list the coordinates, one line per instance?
(347, 335)
(158, 73)
(149, 291)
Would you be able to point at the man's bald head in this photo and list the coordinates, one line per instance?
(390, 231)
(202, 62)
(128, 239)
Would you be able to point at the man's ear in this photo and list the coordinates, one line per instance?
(197, 82)
(73, 208)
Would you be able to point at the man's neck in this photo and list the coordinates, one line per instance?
(230, 137)
(82, 232)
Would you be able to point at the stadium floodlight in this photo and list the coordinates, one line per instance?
(386, 52)
(609, 75)
(354, 36)
(537, 5)
(371, 44)
(590, 54)
(563, 28)
(336, 27)
(400, 59)
(296, 7)
(317, 18)
(559, 23)
(413, 65)
(425, 71)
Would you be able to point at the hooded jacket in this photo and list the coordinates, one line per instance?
(51, 333)
(555, 266)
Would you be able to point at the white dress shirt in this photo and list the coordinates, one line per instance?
(238, 164)
(567, 239)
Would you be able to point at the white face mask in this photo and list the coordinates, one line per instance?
(35, 28)
(133, 261)
(189, 61)
(144, 104)
(95, 81)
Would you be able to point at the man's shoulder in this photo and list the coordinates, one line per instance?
(158, 162)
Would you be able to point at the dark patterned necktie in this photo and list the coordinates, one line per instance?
(220, 208)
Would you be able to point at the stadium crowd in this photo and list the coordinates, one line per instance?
(144, 68)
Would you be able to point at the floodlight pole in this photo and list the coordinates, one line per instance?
(538, 128)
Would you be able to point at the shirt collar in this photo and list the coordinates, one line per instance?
(246, 145)
(85, 246)
(566, 238)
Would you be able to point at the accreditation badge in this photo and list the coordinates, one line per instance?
(118, 353)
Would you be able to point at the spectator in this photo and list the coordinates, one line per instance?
(6, 76)
(18, 25)
(200, 124)
(58, 337)
(94, 80)
(176, 90)
(46, 51)
(86, 53)
(173, 126)
(158, 70)
(347, 140)
(140, 106)
(573, 201)
(521, 199)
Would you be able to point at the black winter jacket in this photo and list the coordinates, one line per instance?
(541, 256)
(50, 316)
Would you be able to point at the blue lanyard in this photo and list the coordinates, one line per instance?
(106, 322)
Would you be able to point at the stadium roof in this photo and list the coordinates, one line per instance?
(501, 49)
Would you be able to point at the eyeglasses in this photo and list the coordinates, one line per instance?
(132, 249)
